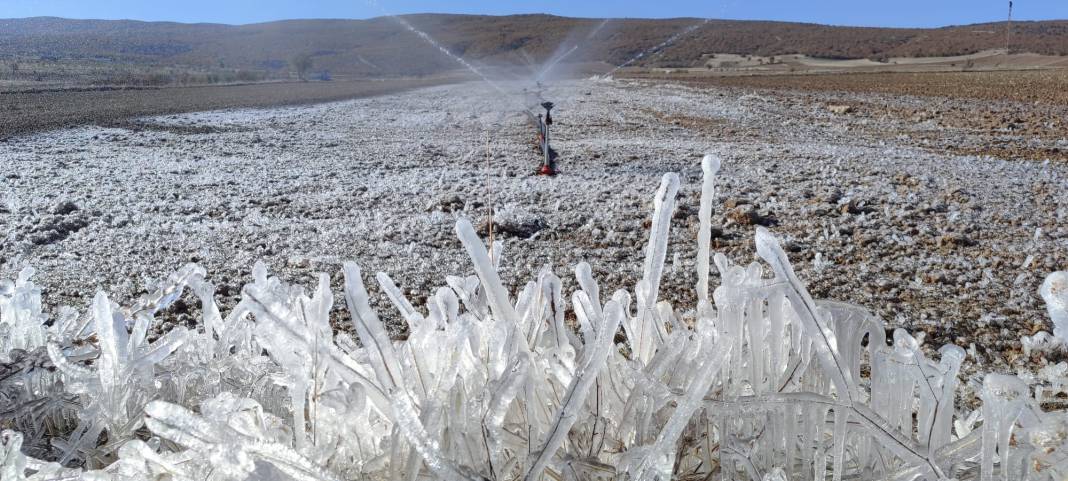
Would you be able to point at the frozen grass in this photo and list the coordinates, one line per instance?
(758, 381)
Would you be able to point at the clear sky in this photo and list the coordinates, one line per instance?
(895, 13)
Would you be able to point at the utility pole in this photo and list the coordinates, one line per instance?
(1008, 32)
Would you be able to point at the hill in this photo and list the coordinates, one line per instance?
(383, 47)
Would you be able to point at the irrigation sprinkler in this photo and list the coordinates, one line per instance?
(548, 167)
(541, 123)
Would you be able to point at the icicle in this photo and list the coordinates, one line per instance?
(491, 282)
(382, 355)
(710, 166)
(408, 312)
(656, 251)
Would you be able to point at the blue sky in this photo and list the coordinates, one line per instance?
(897, 13)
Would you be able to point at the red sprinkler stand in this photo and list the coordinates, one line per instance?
(548, 166)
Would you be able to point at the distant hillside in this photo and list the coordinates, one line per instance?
(382, 46)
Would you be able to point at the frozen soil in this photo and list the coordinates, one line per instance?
(948, 245)
(24, 111)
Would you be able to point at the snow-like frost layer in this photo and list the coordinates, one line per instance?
(762, 383)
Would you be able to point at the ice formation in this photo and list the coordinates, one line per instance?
(1055, 292)
(758, 381)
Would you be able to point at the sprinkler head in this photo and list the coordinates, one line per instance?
(548, 112)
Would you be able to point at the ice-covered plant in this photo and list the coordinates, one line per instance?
(756, 381)
(21, 320)
(122, 380)
(1055, 292)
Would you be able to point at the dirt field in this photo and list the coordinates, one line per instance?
(23, 112)
(1042, 87)
(1008, 115)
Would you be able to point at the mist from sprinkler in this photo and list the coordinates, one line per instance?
(434, 43)
(543, 123)
(659, 47)
(554, 61)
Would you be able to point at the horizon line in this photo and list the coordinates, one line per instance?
(293, 19)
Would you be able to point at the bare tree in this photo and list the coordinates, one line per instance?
(302, 64)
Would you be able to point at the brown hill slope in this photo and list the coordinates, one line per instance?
(382, 46)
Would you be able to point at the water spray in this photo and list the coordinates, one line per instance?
(659, 47)
(434, 43)
(543, 122)
(554, 61)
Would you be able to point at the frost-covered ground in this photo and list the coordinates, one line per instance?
(953, 247)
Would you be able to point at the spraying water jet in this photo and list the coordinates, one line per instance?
(555, 60)
(542, 123)
(441, 48)
(658, 47)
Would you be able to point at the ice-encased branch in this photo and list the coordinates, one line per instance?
(645, 330)
(579, 390)
(709, 166)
